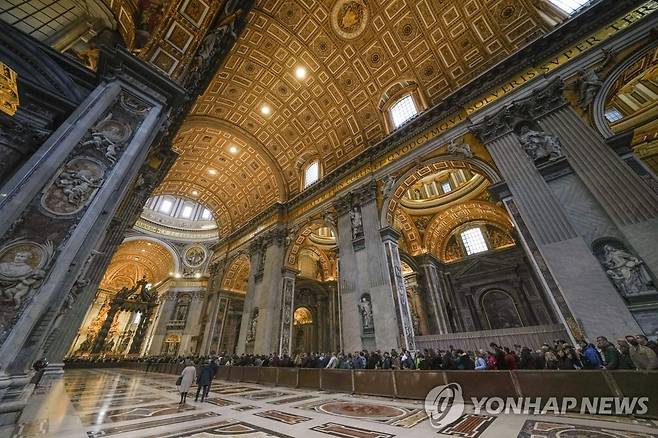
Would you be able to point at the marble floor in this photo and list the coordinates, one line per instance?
(122, 404)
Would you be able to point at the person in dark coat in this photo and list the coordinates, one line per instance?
(204, 380)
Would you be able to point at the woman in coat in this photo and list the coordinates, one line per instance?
(188, 376)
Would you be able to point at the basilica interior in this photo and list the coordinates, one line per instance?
(186, 178)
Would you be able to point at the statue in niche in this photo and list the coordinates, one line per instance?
(365, 309)
(251, 333)
(539, 145)
(460, 149)
(627, 272)
(77, 185)
(357, 223)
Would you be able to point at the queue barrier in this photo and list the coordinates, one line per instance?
(415, 384)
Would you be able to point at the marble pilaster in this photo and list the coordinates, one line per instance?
(287, 309)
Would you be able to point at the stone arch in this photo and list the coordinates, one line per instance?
(443, 223)
(234, 277)
(300, 237)
(172, 250)
(598, 105)
(443, 162)
(325, 264)
(409, 231)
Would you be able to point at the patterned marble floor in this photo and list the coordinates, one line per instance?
(127, 404)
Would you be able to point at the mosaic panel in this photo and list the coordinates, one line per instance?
(136, 413)
(469, 426)
(142, 425)
(264, 395)
(298, 398)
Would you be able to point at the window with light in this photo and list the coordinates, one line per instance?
(570, 6)
(403, 110)
(311, 173)
(166, 205)
(186, 213)
(206, 215)
(474, 241)
(612, 114)
(446, 187)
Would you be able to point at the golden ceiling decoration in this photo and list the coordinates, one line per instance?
(135, 259)
(237, 276)
(8, 90)
(353, 51)
(442, 225)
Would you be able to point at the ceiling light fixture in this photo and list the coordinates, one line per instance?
(197, 275)
(300, 72)
(233, 150)
(194, 193)
(177, 275)
(266, 110)
(212, 171)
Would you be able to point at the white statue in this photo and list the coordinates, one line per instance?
(626, 271)
(251, 334)
(389, 183)
(539, 145)
(17, 268)
(589, 84)
(460, 149)
(365, 308)
(357, 223)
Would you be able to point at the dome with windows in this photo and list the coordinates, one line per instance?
(177, 218)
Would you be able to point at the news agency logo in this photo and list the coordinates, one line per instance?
(444, 405)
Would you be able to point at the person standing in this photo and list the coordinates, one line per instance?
(187, 377)
(644, 358)
(610, 353)
(204, 380)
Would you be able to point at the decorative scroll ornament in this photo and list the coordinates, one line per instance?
(8, 90)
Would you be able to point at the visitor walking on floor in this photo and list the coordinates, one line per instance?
(186, 379)
(204, 380)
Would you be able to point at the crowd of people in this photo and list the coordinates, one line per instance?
(629, 353)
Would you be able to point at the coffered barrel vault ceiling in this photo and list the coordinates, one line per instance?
(238, 160)
(135, 259)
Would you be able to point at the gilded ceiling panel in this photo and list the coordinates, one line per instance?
(135, 259)
(353, 51)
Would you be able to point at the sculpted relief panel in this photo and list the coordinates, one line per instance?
(49, 219)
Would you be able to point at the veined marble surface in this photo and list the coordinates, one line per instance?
(126, 404)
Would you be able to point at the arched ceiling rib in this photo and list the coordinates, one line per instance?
(135, 259)
(353, 51)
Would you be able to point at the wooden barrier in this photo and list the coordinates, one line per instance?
(374, 382)
(338, 380)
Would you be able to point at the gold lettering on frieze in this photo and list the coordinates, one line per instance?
(8, 90)
(565, 56)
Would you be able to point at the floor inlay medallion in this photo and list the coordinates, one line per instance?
(393, 415)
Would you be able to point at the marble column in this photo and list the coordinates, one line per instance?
(287, 309)
(406, 333)
(436, 294)
(417, 304)
(364, 271)
(573, 277)
(269, 293)
(140, 334)
(255, 249)
(624, 195)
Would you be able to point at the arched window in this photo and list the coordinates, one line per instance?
(311, 173)
(403, 110)
(474, 241)
(570, 6)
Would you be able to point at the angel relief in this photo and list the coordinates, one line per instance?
(73, 187)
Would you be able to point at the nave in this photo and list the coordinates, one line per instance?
(118, 403)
